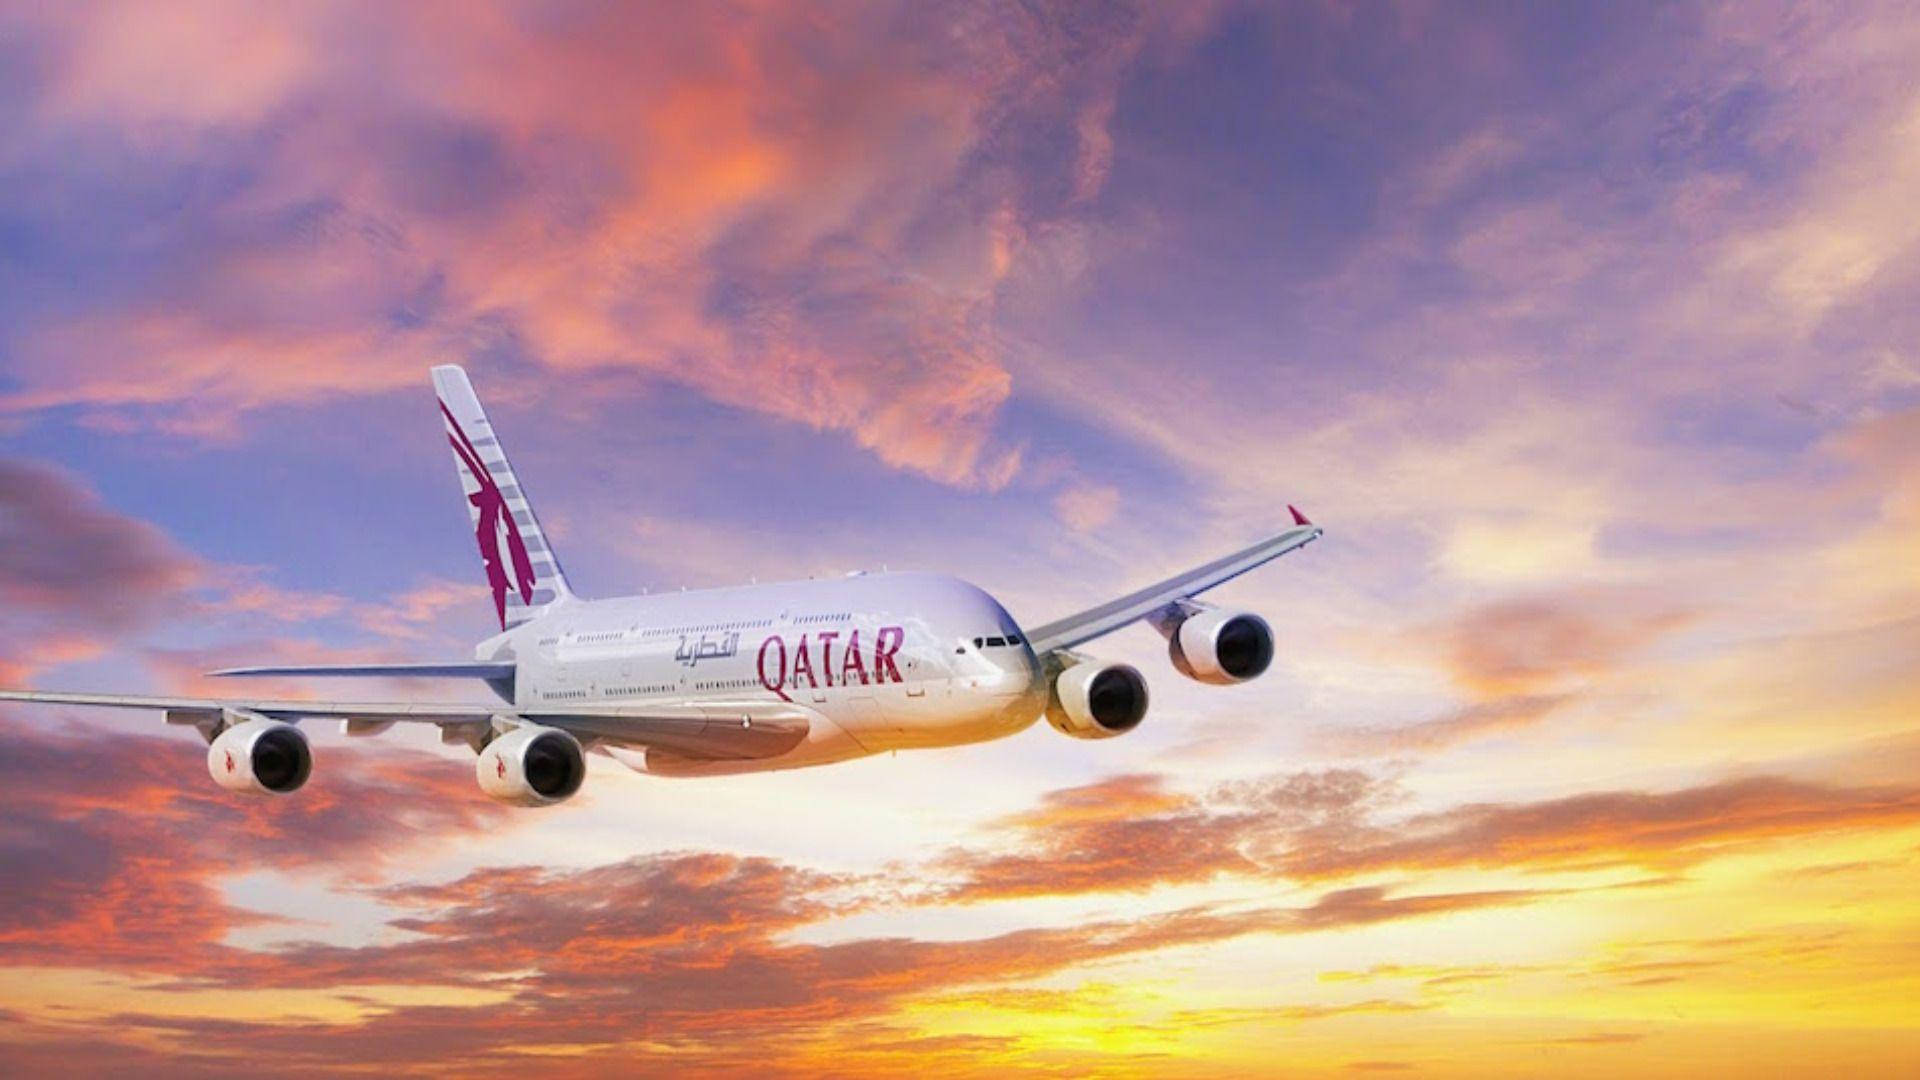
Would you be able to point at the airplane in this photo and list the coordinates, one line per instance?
(743, 679)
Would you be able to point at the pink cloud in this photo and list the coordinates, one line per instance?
(67, 558)
(764, 206)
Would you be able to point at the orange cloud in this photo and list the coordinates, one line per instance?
(1526, 646)
(1132, 832)
(1615, 828)
(116, 853)
(1520, 661)
(766, 206)
(1495, 715)
(695, 949)
(706, 951)
(1086, 508)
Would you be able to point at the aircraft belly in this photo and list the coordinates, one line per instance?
(719, 732)
(953, 716)
(825, 743)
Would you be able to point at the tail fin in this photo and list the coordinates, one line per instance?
(521, 568)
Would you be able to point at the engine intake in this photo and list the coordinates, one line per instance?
(1095, 700)
(261, 756)
(532, 766)
(1220, 647)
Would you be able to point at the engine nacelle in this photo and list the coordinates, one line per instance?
(1095, 700)
(265, 757)
(1220, 647)
(531, 766)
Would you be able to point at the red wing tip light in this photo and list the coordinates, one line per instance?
(1298, 517)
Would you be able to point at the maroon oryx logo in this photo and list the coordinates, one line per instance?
(493, 510)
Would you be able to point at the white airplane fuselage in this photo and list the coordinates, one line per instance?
(879, 662)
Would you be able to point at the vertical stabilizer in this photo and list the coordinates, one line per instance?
(521, 568)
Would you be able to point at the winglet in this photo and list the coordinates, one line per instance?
(1298, 517)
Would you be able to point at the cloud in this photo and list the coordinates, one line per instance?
(413, 614)
(246, 594)
(1600, 1038)
(75, 576)
(69, 560)
(1852, 231)
(1086, 508)
(1490, 717)
(1133, 832)
(26, 658)
(116, 843)
(78, 579)
(1523, 308)
(124, 61)
(1126, 832)
(697, 949)
(1521, 660)
(682, 950)
(715, 953)
(1370, 904)
(692, 949)
(1658, 830)
(1529, 644)
(806, 216)
(1296, 1013)
(126, 864)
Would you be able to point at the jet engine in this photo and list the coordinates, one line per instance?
(1217, 646)
(260, 756)
(531, 766)
(1096, 700)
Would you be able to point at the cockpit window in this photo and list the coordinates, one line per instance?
(1013, 639)
(979, 642)
(996, 642)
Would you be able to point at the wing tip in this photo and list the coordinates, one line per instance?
(1299, 518)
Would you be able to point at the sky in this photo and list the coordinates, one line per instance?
(1588, 332)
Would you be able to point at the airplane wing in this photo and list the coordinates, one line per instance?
(709, 730)
(1108, 617)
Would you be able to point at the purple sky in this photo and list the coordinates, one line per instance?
(1588, 331)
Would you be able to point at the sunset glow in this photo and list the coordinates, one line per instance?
(1590, 333)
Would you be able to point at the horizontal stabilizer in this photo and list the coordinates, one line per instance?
(457, 670)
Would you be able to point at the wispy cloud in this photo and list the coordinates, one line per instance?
(807, 217)
(1590, 338)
